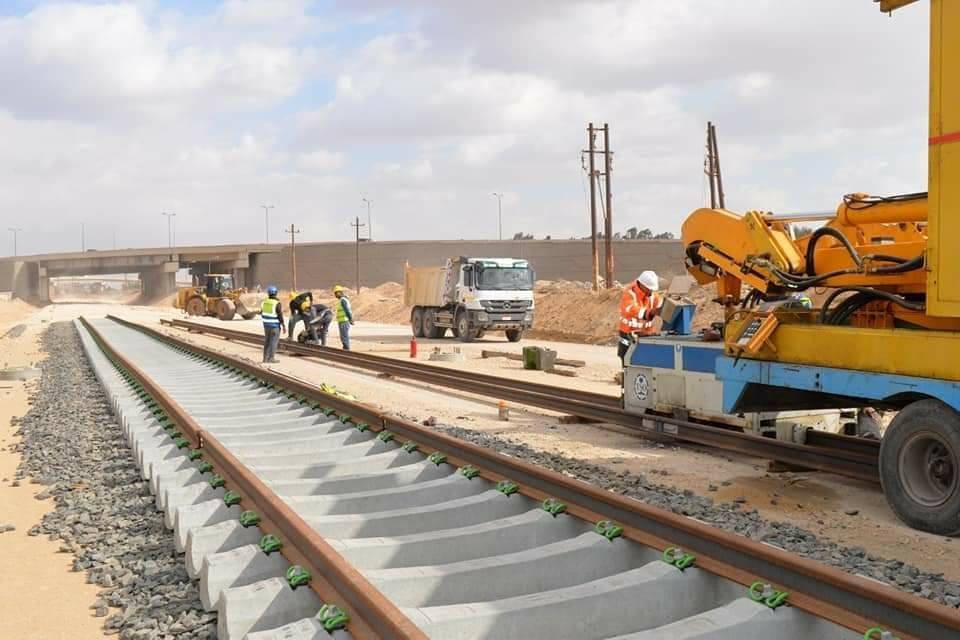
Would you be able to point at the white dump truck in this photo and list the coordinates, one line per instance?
(470, 296)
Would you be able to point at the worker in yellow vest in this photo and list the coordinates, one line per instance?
(344, 316)
(271, 313)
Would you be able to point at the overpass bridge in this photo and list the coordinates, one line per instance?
(29, 276)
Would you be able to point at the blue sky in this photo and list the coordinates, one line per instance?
(211, 108)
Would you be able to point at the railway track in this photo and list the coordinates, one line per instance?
(851, 457)
(305, 515)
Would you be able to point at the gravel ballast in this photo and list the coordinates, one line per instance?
(104, 513)
(729, 516)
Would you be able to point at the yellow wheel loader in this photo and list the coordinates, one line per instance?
(218, 297)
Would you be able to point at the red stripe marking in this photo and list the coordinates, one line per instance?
(945, 138)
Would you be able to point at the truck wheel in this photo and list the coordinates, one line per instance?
(196, 307)
(514, 335)
(226, 309)
(430, 328)
(466, 334)
(416, 322)
(920, 467)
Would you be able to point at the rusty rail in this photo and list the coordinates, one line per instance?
(827, 592)
(852, 457)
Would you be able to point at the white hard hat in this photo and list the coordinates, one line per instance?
(650, 280)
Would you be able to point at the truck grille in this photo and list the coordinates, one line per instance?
(505, 306)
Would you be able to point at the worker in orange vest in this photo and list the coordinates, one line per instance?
(639, 306)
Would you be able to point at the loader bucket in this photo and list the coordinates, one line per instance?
(248, 305)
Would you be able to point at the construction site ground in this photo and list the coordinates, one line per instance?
(833, 507)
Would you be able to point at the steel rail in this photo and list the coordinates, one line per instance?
(852, 457)
(336, 580)
(827, 592)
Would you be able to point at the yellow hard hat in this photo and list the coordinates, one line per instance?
(338, 289)
(293, 294)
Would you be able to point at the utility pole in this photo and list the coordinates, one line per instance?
(499, 197)
(591, 149)
(169, 217)
(83, 238)
(266, 219)
(357, 224)
(711, 167)
(608, 214)
(15, 231)
(293, 231)
(369, 220)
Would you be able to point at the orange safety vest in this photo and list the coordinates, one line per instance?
(636, 310)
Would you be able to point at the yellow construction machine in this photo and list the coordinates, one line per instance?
(218, 297)
(886, 332)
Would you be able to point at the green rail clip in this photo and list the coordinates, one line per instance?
(469, 472)
(249, 519)
(270, 543)
(195, 454)
(231, 498)
(676, 557)
(609, 529)
(437, 458)
(175, 434)
(876, 633)
(181, 443)
(217, 481)
(297, 576)
(205, 466)
(345, 419)
(410, 446)
(762, 592)
(554, 507)
(385, 436)
(507, 487)
(332, 617)
(362, 426)
(329, 411)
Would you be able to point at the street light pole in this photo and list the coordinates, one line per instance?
(266, 219)
(169, 217)
(369, 222)
(15, 230)
(499, 197)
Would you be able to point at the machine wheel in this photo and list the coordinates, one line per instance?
(430, 328)
(480, 333)
(416, 321)
(226, 309)
(514, 335)
(920, 467)
(464, 332)
(196, 307)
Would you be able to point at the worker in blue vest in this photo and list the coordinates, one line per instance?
(344, 316)
(271, 312)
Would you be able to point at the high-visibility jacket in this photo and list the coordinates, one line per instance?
(344, 313)
(637, 310)
(270, 312)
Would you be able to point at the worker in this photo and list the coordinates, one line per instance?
(322, 317)
(639, 306)
(271, 312)
(299, 311)
(344, 316)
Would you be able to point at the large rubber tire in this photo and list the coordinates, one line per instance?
(416, 321)
(226, 310)
(196, 307)
(464, 332)
(430, 328)
(514, 335)
(920, 467)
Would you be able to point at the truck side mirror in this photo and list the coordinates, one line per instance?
(468, 277)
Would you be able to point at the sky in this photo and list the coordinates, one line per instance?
(112, 113)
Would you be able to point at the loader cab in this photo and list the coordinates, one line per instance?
(218, 284)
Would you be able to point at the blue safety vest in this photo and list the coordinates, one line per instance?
(268, 312)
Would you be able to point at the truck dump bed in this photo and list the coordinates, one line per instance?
(424, 286)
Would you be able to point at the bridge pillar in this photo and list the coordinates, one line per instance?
(43, 286)
(160, 281)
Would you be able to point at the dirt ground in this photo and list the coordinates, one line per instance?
(40, 597)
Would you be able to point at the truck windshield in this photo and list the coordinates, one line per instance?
(505, 279)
